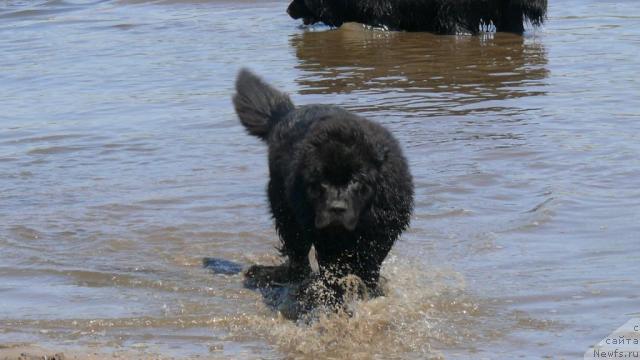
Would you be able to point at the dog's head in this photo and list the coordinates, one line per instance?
(338, 206)
(339, 169)
(330, 12)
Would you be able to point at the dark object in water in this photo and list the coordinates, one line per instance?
(337, 181)
(438, 16)
(221, 266)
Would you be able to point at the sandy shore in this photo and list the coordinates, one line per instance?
(19, 351)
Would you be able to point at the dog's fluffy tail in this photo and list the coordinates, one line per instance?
(258, 105)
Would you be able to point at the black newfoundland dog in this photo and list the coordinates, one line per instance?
(338, 182)
(438, 16)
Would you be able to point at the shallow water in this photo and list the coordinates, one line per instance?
(122, 166)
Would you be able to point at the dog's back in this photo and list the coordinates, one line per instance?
(439, 16)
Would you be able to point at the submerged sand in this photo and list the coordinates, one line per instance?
(22, 351)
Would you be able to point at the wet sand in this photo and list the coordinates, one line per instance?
(34, 352)
(20, 351)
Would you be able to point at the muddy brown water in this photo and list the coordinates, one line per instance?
(123, 166)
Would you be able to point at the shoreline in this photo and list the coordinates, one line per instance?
(27, 351)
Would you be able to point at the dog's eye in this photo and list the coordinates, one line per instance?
(365, 190)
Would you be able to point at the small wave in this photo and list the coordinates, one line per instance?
(51, 150)
(43, 139)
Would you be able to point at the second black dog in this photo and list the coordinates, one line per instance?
(337, 181)
(439, 16)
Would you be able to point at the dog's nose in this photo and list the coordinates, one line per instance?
(338, 206)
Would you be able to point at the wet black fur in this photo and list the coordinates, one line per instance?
(303, 143)
(438, 16)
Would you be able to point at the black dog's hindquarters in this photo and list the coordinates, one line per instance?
(338, 182)
(438, 16)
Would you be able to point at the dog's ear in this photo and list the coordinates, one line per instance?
(298, 9)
